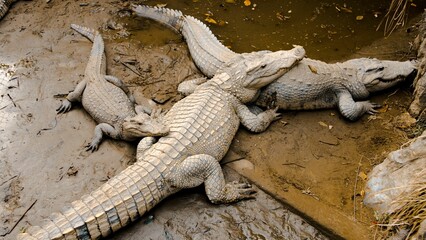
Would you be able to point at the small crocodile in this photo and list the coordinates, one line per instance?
(311, 84)
(4, 6)
(107, 99)
(202, 127)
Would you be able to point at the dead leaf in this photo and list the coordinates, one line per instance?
(282, 17)
(383, 109)
(346, 10)
(359, 18)
(210, 20)
(323, 124)
(247, 3)
(313, 69)
(222, 23)
(362, 175)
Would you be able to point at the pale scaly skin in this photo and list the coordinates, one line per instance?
(311, 84)
(107, 99)
(202, 127)
(4, 7)
(208, 53)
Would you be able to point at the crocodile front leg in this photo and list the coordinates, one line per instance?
(144, 145)
(203, 168)
(256, 122)
(74, 96)
(354, 110)
(189, 86)
(117, 82)
(100, 130)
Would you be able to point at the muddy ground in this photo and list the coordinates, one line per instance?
(315, 161)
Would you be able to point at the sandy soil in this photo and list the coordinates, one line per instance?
(316, 163)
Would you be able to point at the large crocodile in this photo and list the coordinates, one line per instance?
(311, 84)
(4, 6)
(107, 99)
(202, 127)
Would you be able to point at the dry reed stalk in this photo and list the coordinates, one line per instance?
(409, 215)
(396, 16)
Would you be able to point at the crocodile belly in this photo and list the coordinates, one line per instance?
(107, 104)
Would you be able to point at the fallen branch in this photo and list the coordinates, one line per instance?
(8, 180)
(131, 69)
(356, 182)
(20, 219)
(11, 99)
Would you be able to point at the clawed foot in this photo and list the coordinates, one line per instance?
(237, 191)
(371, 107)
(93, 146)
(273, 114)
(65, 106)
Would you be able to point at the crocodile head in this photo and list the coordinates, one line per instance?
(144, 125)
(245, 74)
(377, 75)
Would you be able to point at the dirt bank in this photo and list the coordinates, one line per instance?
(316, 162)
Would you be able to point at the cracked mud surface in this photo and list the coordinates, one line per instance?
(42, 157)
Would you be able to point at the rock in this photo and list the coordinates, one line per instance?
(419, 102)
(396, 176)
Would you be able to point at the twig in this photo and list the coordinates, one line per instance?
(393, 92)
(356, 182)
(157, 81)
(8, 180)
(14, 104)
(233, 160)
(131, 69)
(295, 164)
(20, 219)
(329, 143)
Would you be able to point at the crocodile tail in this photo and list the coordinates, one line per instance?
(169, 17)
(4, 7)
(121, 200)
(85, 31)
(208, 53)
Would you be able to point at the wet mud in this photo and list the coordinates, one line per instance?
(312, 162)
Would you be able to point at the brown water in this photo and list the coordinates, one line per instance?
(42, 157)
(329, 30)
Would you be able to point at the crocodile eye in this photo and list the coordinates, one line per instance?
(381, 68)
(263, 66)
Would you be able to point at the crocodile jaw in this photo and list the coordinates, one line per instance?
(142, 125)
(388, 75)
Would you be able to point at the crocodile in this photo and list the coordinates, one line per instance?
(311, 84)
(202, 127)
(108, 100)
(4, 6)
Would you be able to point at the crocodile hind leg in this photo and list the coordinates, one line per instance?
(117, 82)
(74, 96)
(100, 130)
(354, 110)
(203, 168)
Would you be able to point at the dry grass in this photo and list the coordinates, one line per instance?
(396, 16)
(409, 216)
